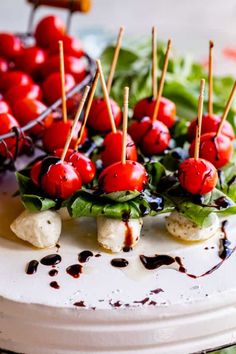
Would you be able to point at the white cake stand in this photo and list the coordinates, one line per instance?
(129, 310)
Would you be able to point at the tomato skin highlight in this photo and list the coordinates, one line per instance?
(49, 30)
(55, 136)
(10, 46)
(98, 116)
(112, 148)
(52, 86)
(210, 124)
(61, 180)
(7, 122)
(197, 177)
(4, 66)
(216, 149)
(19, 92)
(27, 110)
(118, 177)
(4, 107)
(166, 112)
(13, 78)
(31, 60)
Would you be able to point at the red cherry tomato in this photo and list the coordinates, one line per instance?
(4, 107)
(35, 172)
(61, 180)
(72, 104)
(98, 117)
(72, 46)
(55, 136)
(10, 46)
(4, 66)
(31, 60)
(19, 92)
(27, 110)
(153, 137)
(49, 31)
(139, 128)
(84, 166)
(117, 177)
(210, 124)
(14, 78)
(81, 163)
(7, 122)
(216, 149)
(197, 176)
(112, 148)
(54, 81)
(73, 66)
(166, 112)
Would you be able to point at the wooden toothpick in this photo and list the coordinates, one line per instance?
(199, 120)
(210, 79)
(70, 135)
(106, 96)
(162, 80)
(125, 124)
(115, 58)
(227, 108)
(62, 72)
(154, 62)
(87, 109)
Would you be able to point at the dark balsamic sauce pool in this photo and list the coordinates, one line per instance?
(32, 267)
(119, 262)
(51, 260)
(84, 256)
(74, 270)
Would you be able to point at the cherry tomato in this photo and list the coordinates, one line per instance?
(81, 163)
(72, 104)
(27, 110)
(54, 80)
(49, 31)
(13, 78)
(19, 92)
(4, 107)
(73, 66)
(166, 112)
(35, 172)
(216, 149)
(10, 46)
(55, 136)
(4, 66)
(98, 117)
(72, 46)
(31, 60)
(153, 137)
(117, 177)
(139, 128)
(112, 148)
(7, 123)
(197, 176)
(210, 124)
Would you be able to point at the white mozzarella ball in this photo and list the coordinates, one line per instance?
(181, 227)
(41, 229)
(113, 233)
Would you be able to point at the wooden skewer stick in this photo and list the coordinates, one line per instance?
(62, 72)
(199, 120)
(227, 108)
(87, 109)
(125, 124)
(210, 79)
(78, 113)
(162, 80)
(115, 58)
(154, 61)
(106, 96)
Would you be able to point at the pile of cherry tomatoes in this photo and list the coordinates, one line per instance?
(30, 78)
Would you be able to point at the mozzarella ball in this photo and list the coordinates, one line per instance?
(113, 234)
(181, 227)
(41, 229)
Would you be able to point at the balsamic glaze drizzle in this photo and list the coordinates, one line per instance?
(32, 267)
